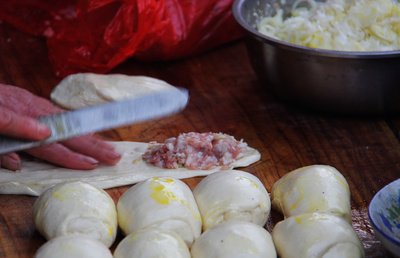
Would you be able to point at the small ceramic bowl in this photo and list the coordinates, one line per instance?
(384, 214)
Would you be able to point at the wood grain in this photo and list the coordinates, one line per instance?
(225, 97)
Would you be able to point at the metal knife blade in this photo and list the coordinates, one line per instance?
(102, 117)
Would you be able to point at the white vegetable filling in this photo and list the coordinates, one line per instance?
(343, 25)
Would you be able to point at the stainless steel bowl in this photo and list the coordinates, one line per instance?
(324, 80)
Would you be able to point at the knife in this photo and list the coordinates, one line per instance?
(102, 117)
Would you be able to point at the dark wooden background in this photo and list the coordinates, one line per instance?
(225, 97)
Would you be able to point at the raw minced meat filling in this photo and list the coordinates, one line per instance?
(196, 151)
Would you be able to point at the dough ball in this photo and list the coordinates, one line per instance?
(88, 89)
(152, 243)
(316, 188)
(160, 202)
(76, 208)
(316, 235)
(234, 239)
(232, 195)
(73, 246)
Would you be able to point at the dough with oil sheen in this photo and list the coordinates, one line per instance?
(234, 239)
(152, 243)
(73, 246)
(35, 176)
(88, 89)
(160, 202)
(232, 195)
(318, 235)
(316, 188)
(76, 208)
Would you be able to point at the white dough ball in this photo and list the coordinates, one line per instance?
(152, 243)
(161, 202)
(232, 195)
(76, 208)
(73, 246)
(234, 239)
(319, 235)
(316, 188)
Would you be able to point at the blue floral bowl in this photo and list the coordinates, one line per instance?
(384, 214)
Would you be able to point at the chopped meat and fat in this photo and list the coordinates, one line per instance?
(196, 151)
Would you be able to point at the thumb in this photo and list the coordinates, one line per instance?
(10, 161)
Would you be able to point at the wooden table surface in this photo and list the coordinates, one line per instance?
(225, 97)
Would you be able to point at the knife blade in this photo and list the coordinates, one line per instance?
(102, 117)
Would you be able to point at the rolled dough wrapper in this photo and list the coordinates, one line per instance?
(76, 208)
(152, 243)
(73, 246)
(319, 235)
(88, 89)
(35, 177)
(160, 202)
(234, 239)
(316, 188)
(232, 195)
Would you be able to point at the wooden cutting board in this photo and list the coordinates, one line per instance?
(225, 97)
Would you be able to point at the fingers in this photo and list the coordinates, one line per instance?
(10, 161)
(20, 126)
(60, 155)
(17, 106)
(94, 147)
(84, 152)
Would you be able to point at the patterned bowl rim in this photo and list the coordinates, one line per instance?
(393, 240)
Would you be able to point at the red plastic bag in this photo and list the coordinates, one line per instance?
(97, 35)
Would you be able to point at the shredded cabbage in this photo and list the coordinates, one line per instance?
(344, 25)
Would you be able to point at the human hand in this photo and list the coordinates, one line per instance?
(19, 107)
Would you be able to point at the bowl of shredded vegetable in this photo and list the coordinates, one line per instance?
(340, 56)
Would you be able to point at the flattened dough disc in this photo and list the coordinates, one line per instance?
(36, 177)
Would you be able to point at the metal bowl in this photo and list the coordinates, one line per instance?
(384, 214)
(323, 80)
